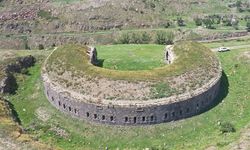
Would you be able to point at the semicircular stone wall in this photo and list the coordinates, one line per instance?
(143, 113)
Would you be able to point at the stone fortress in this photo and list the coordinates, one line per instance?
(135, 111)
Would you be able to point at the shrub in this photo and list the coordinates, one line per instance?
(160, 38)
(124, 39)
(227, 22)
(53, 45)
(135, 38)
(198, 21)
(170, 38)
(26, 45)
(239, 6)
(227, 127)
(40, 47)
(164, 37)
(208, 22)
(145, 38)
(180, 22)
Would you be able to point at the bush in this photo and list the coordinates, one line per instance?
(198, 21)
(40, 47)
(134, 38)
(227, 22)
(24, 71)
(164, 38)
(180, 22)
(124, 39)
(145, 38)
(208, 22)
(227, 127)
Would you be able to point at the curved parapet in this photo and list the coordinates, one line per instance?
(132, 111)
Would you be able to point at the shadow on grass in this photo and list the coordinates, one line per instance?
(223, 92)
(13, 112)
(100, 62)
(12, 85)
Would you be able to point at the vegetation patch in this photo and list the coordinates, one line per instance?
(227, 127)
(46, 15)
(190, 55)
(161, 90)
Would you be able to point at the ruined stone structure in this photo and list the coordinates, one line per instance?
(169, 55)
(92, 53)
(134, 112)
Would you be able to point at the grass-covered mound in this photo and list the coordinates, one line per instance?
(189, 56)
(69, 68)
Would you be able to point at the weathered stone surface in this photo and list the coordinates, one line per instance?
(169, 55)
(92, 53)
(137, 114)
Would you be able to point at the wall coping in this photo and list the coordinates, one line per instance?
(129, 103)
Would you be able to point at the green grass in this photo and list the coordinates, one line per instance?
(197, 132)
(131, 57)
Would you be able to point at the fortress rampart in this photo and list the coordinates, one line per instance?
(134, 112)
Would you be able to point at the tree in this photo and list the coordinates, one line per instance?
(239, 6)
(198, 21)
(208, 23)
(124, 38)
(170, 38)
(135, 38)
(164, 37)
(40, 46)
(227, 22)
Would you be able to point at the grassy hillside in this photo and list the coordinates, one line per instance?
(44, 122)
(88, 15)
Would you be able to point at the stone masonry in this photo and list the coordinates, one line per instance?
(133, 112)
